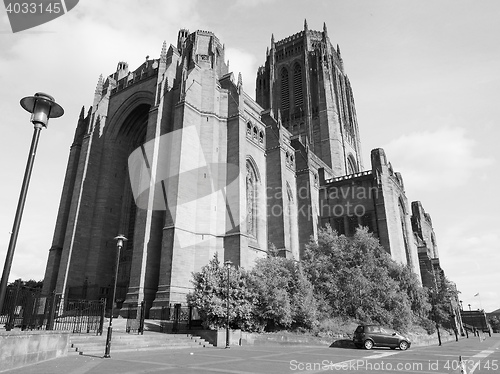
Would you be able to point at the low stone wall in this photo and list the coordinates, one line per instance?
(19, 349)
(218, 337)
(282, 339)
(308, 340)
(237, 337)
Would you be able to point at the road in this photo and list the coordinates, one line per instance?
(478, 357)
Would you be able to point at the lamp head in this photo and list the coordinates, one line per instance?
(42, 107)
(228, 263)
(119, 240)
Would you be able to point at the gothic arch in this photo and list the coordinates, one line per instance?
(352, 166)
(285, 89)
(252, 181)
(253, 164)
(120, 121)
(298, 95)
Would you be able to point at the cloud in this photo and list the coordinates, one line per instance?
(252, 3)
(64, 58)
(445, 158)
(246, 63)
(469, 254)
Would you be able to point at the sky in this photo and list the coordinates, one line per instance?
(426, 82)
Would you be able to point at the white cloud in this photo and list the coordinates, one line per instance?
(252, 3)
(435, 160)
(64, 58)
(470, 253)
(246, 63)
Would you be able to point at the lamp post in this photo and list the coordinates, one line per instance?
(42, 107)
(228, 265)
(119, 244)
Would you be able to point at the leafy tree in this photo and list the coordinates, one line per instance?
(356, 277)
(442, 298)
(29, 283)
(284, 295)
(495, 323)
(210, 294)
(273, 295)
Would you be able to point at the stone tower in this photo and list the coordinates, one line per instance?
(303, 81)
(177, 157)
(165, 158)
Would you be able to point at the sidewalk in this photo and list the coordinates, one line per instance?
(246, 359)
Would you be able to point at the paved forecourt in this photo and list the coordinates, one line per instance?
(479, 356)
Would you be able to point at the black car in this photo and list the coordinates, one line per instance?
(369, 336)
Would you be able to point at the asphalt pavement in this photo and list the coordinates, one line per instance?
(478, 356)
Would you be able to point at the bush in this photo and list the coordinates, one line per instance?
(339, 280)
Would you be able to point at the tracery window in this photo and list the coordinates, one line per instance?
(351, 165)
(285, 90)
(251, 187)
(297, 87)
(289, 204)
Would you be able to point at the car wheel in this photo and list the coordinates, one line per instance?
(403, 345)
(368, 344)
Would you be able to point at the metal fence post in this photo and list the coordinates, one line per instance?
(52, 311)
(142, 317)
(11, 320)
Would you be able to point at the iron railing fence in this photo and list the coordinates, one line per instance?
(176, 317)
(25, 308)
(135, 318)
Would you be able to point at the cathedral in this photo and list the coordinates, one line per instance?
(178, 158)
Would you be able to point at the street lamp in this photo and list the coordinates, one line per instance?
(461, 305)
(42, 107)
(228, 264)
(119, 244)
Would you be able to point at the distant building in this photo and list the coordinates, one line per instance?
(178, 158)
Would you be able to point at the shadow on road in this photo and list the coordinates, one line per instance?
(343, 343)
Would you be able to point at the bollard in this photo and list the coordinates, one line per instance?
(461, 365)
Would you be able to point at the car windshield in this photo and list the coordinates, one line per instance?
(359, 329)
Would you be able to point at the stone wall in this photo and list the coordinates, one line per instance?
(18, 349)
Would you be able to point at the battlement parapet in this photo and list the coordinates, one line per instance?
(349, 176)
(290, 38)
(147, 70)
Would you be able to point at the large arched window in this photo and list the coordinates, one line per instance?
(289, 212)
(352, 167)
(297, 87)
(285, 90)
(251, 187)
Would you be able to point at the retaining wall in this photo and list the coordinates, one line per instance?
(19, 349)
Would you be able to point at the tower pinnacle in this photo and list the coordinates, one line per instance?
(163, 54)
(99, 86)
